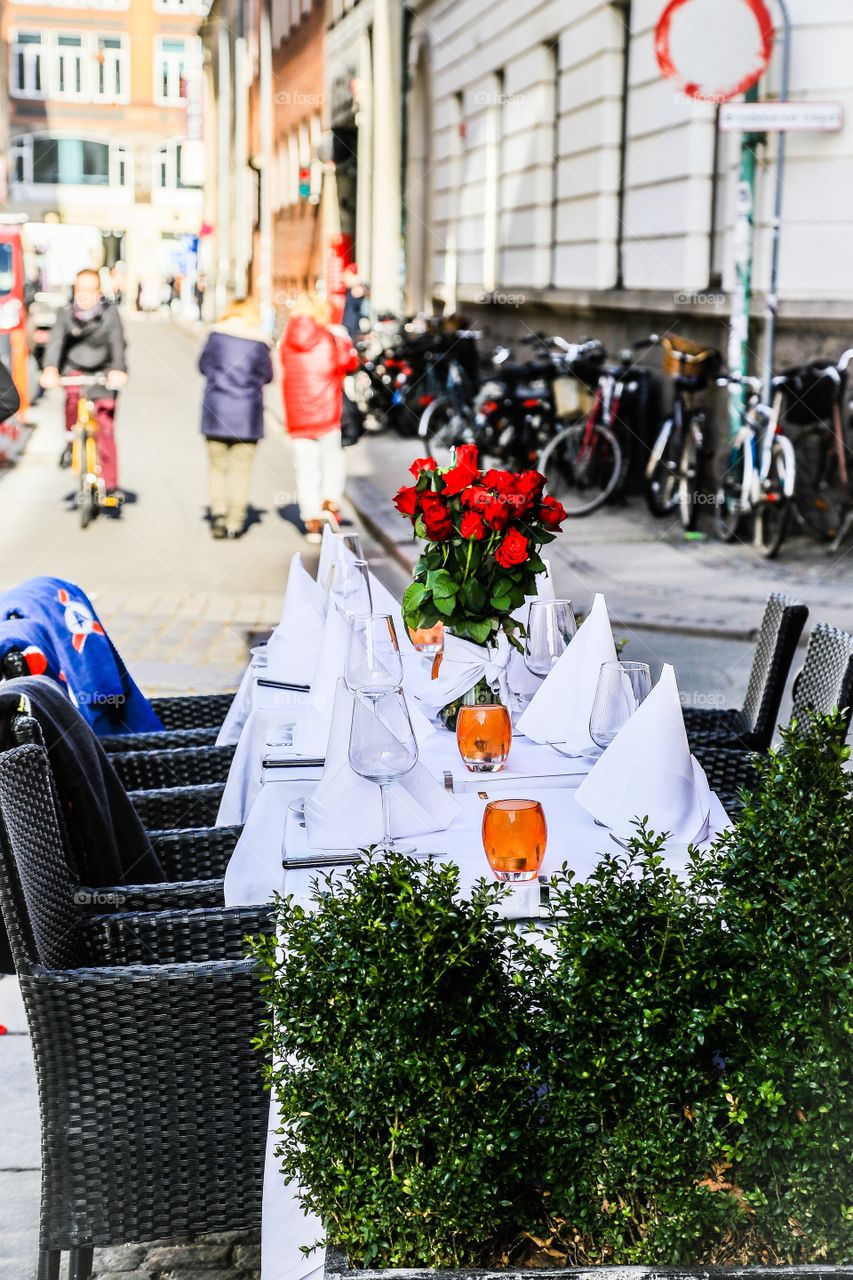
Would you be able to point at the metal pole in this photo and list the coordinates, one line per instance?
(738, 354)
(772, 307)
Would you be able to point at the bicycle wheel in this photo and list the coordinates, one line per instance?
(443, 426)
(771, 516)
(688, 475)
(582, 465)
(662, 471)
(729, 512)
(820, 500)
(87, 499)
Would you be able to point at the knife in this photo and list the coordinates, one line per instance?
(282, 684)
(304, 762)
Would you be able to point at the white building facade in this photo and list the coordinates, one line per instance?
(554, 172)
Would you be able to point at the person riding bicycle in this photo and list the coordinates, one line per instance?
(88, 338)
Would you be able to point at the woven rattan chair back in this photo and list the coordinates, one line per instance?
(43, 921)
(826, 680)
(778, 637)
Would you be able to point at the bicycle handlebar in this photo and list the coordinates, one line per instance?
(84, 380)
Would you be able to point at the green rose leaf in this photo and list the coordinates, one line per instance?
(413, 596)
(441, 584)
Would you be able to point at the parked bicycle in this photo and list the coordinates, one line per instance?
(584, 463)
(823, 498)
(91, 494)
(674, 470)
(758, 484)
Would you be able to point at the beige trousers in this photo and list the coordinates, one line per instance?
(320, 473)
(229, 479)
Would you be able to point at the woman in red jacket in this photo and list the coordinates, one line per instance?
(315, 359)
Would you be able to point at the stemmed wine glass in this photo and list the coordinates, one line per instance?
(353, 591)
(550, 626)
(373, 662)
(383, 749)
(621, 687)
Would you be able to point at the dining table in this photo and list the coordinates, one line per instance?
(273, 856)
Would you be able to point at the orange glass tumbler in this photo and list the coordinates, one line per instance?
(428, 639)
(484, 736)
(514, 837)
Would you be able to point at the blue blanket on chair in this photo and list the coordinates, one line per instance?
(54, 624)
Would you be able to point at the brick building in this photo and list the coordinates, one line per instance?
(104, 127)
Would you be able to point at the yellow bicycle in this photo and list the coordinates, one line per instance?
(91, 493)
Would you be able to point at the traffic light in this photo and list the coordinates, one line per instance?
(304, 182)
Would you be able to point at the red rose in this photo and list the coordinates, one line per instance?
(406, 500)
(436, 517)
(466, 456)
(552, 513)
(471, 526)
(512, 551)
(497, 513)
(459, 478)
(476, 498)
(502, 481)
(529, 486)
(422, 464)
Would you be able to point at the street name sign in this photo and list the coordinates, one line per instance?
(777, 117)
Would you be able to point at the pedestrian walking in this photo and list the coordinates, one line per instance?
(236, 362)
(88, 338)
(355, 301)
(315, 359)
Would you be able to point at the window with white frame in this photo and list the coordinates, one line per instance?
(27, 70)
(171, 59)
(170, 171)
(44, 159)
(68, 68)
(111, 80)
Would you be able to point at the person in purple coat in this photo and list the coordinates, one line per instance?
(236, 362)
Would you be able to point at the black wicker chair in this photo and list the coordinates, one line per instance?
(824, 684)
(181, 767)
(753, 725)
(178, 808)
(190, 721)
(153, 1114)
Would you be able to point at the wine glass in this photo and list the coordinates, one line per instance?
(351, 542)
(353, 589)
(621, 687)
(550, 626)
(383, 749)
(373, 661)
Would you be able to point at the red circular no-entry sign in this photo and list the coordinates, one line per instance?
(714, 49)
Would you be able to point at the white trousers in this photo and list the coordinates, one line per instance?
(320, 473)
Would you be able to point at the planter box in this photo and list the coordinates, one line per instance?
(338, 1268)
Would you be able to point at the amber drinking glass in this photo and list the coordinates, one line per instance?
(484, 736)
(428, 639)
(514, 836)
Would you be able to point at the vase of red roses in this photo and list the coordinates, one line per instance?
(483, 532)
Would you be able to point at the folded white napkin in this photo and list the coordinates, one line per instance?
(329, 548)
(463, 664)
(311, 730)
(293, 646)
(345, 810)
(648, 771)
(560, 709)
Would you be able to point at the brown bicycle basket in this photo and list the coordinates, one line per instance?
(690, 359)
